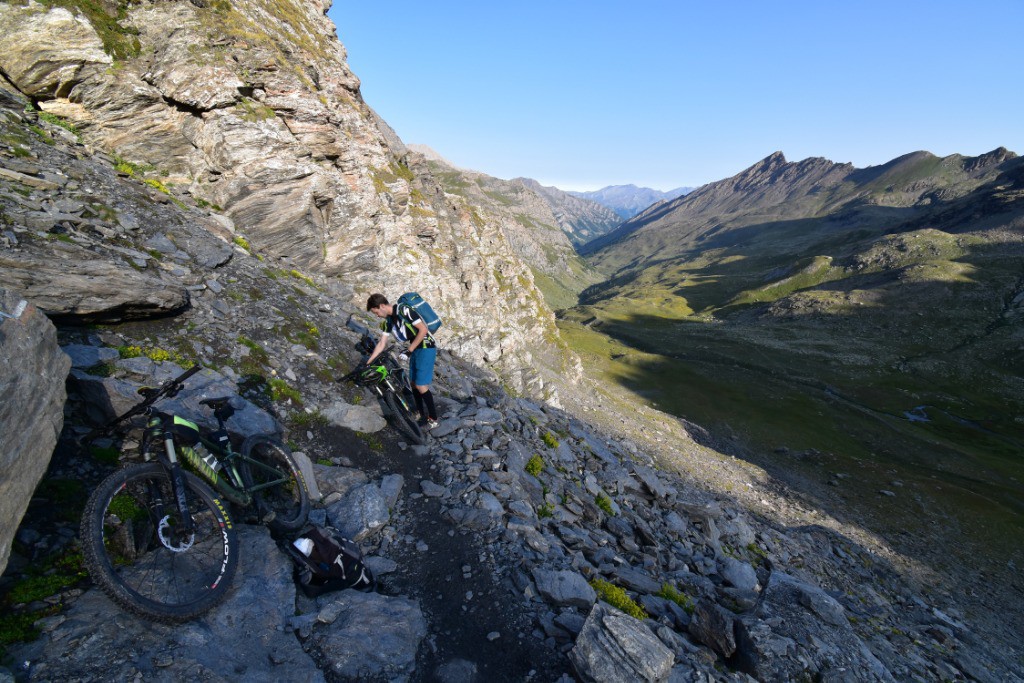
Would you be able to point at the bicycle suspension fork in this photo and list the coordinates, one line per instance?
(178, 484)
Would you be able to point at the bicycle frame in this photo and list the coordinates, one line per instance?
(232, 485)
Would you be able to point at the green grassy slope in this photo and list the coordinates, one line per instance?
(862, 346)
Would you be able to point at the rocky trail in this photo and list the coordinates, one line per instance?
(479, 627)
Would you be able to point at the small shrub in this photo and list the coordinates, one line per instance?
(17, 628)
(669, 592)
(605, 503)
(403, 172)
(545, 510)
(156, 185)
(305, 278)
(242, 242)
(280, 391)
(616, 597)
(372, 440)
(325, 462)
(100, 370)
(549, 440)
(305, 419)
(42, 134)
(58, 121)
(125, 507)
(535, 465)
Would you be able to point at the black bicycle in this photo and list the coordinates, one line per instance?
(389, 380)
(155, 537)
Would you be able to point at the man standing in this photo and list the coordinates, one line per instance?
(407, 327)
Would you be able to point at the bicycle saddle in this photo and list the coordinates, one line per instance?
(216, 403)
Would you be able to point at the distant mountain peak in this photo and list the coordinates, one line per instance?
(630, 200)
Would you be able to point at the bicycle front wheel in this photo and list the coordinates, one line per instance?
(276, 483)
(402, 417)
(136, 548)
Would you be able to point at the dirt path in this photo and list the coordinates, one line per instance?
(464, 609)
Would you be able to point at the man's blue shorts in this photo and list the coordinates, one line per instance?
(421, 366)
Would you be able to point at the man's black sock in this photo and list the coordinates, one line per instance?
(428, 398)
(419, 403)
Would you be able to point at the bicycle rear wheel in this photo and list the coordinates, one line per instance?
(278, 484)
(402, 417)
(135, 548)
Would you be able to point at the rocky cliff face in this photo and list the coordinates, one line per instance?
(32, 372)
(250, 111)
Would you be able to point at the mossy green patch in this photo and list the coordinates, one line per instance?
(617, 597)
(670, 592)
(281, 391)
(605, 503)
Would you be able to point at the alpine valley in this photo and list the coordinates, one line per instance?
(765, 430)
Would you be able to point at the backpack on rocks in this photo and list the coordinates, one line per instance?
(326, 561)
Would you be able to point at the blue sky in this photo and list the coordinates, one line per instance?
(581, 95)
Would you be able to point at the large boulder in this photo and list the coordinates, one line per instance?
(802, 633)
(72, 281)
(40, 66)
(32, 373)
(367, 636)
(614, 646)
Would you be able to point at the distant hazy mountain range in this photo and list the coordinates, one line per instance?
(629, 200)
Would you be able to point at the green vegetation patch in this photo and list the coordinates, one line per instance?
(280, 391)
(120, 42)
(605, 503)
(617, 597)
(549, 440)
(670, 592)
(252, 111)
(535, 465)
(55, 120)
(155, 354)
(309, 419)
(125, 507)
(372, 440)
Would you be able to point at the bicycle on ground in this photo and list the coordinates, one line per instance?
(155, 537)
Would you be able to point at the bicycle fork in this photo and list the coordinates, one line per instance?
(178, 486)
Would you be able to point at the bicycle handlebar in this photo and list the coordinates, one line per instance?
(150, 396)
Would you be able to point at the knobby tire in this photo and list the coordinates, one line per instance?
(402, 418)
(132, 551)
(288, 501)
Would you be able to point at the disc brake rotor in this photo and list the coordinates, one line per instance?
(169, 537)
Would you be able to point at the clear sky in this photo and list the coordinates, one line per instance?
(583, 94)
